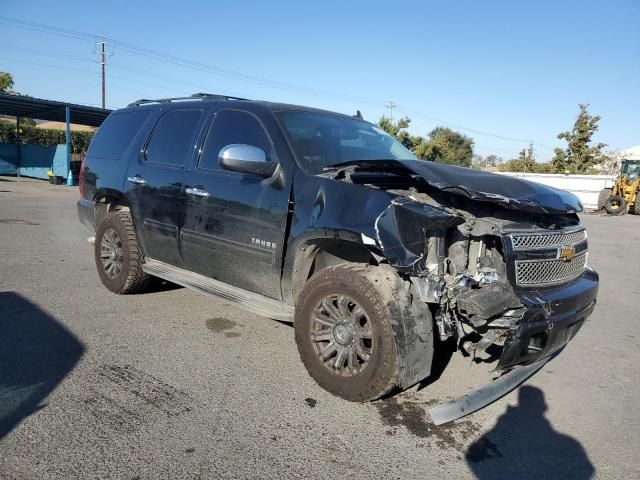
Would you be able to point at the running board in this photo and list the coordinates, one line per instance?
(253, 302)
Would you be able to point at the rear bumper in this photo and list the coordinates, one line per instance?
(552, 319)
(86, 214)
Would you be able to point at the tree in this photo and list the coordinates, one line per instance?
(477, 162)
(492, 160)
(6, 83)
(527, 159)
(580, 156)
(526, 163)
(442, 145)
(27, 122)
(398, 130)
(446, 146)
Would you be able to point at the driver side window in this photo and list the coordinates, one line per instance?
(229, 127)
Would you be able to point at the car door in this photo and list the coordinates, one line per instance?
(235, 222)
(155, 180)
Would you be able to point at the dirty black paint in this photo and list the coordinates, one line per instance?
(508, 192)
(402, 230)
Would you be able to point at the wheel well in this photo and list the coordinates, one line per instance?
(104, 205)
(319, 254)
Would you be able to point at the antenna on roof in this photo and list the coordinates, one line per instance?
(359, 115)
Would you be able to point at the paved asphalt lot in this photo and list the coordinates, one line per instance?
(173, 384)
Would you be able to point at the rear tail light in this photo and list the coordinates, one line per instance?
(81, 178)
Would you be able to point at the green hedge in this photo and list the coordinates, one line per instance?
(45, 137)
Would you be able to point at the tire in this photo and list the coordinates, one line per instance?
(615, 205)
(374, 377)
(121, 272)
(602, 197)
(635, 209)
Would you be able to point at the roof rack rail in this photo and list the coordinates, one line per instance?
(195, 96)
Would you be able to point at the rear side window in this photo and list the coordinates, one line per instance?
(173, 138)
(116, 133)
(232, 126)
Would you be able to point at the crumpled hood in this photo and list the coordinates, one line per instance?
(509, 192)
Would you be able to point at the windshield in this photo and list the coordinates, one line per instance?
(631, 168)
(320, 140)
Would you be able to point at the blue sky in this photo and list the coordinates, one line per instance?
(512, 69)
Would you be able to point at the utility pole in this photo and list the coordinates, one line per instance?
(391, 106)
(103, 63)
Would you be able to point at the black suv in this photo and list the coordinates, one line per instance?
(324, 220)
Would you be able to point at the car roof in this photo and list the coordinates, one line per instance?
(199, 99)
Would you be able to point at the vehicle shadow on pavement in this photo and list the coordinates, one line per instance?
(36, 354)
(158, 285)
(523, 444)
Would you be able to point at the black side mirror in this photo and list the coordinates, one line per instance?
(239, 157)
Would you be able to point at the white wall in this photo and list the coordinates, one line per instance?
(585, 187)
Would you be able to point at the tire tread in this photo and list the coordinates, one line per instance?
(382, 383)
(136, 280)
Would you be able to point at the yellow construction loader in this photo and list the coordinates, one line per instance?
(624, 195)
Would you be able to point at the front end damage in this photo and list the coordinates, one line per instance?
(510, 287)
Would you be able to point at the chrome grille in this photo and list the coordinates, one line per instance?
(544, 265)
(546, 272)
(525, 241)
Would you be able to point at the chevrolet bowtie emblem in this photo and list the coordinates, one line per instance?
(567, 252)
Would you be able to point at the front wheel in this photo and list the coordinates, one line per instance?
(344, 334)
(118, 256)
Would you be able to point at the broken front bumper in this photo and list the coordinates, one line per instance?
(552, 319)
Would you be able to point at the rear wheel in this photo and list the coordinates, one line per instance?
(118, 256)
(344, 334)
(602, 197)
(615, 205)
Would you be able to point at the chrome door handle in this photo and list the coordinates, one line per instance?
(196, 192)
(137, 180)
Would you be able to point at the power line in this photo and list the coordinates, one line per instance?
(216, 70)
(82, 70)
(160, 56)
(48, 53)
(461, 127)
(43, 53)
(111, 76)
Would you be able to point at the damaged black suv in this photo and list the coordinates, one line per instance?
(324, 220)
